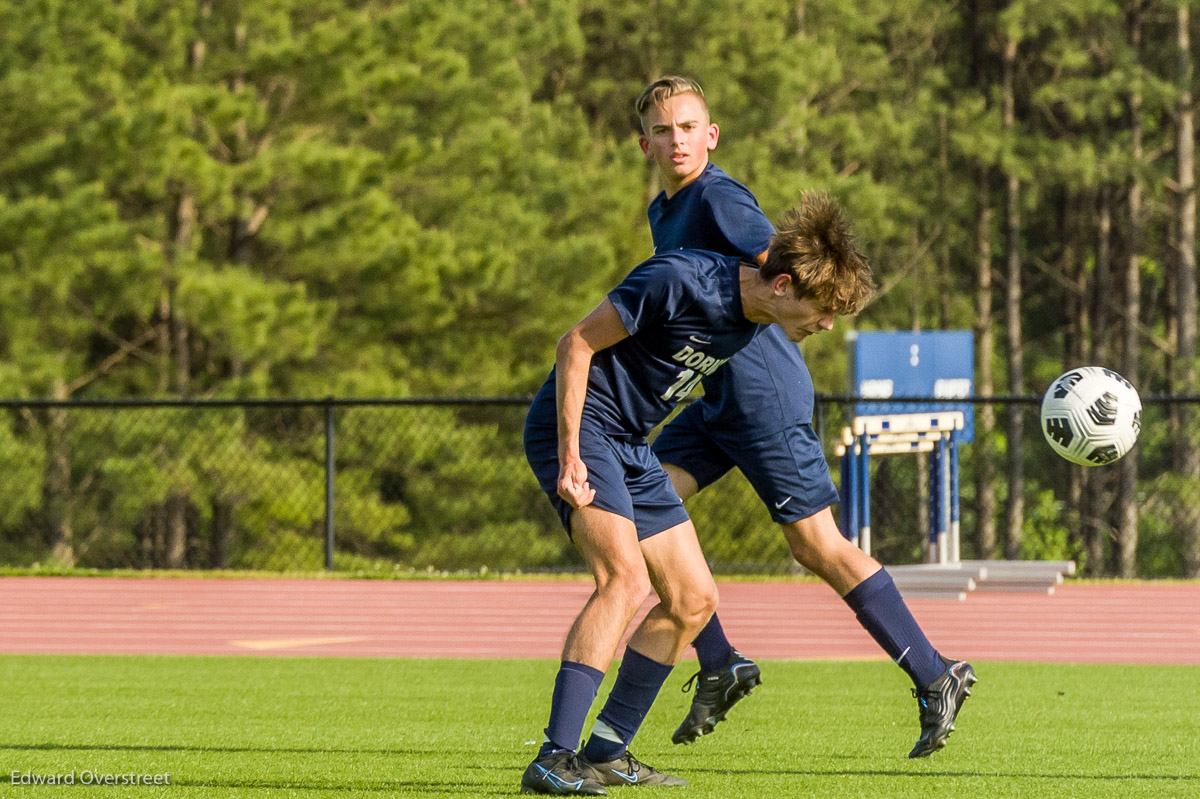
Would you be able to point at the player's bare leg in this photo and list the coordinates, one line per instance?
(687, 598)
(819, 546)
(686, 591)
(815, 542)
(684, 484)
(718, 689)
(942, 685)
(609, 546)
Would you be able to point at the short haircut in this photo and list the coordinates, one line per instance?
(814, 245)
(662, 89)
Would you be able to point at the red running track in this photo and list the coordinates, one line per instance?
(1087, 623)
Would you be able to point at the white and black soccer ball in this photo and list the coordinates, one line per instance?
(1091, 415)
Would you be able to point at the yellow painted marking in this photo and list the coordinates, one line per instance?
(290, 643)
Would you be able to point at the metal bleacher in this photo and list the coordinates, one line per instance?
(966, 577)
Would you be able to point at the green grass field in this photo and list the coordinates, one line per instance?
(251, 727)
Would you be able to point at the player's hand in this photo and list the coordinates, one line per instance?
(573, 483)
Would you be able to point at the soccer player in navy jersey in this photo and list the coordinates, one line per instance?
(675, 320)
(756, 415)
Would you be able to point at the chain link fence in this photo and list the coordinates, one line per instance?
(386, 486)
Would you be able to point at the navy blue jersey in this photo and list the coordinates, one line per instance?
(683, 312)
(713, 212)
(767, 387)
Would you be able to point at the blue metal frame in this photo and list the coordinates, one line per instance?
(944, 487)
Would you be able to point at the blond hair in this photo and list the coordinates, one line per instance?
(814, 245)
(661, 90)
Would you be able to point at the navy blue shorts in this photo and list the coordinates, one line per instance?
(787, 469)
(628, 479)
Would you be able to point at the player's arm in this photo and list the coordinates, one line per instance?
(599, 330)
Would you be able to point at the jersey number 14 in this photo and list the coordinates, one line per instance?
(688, 379)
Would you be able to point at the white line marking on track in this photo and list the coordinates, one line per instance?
(290, 643)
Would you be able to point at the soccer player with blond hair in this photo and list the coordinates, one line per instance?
(756, 416)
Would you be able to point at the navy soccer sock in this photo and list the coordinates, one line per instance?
(574, 689)
(880, 609)
(638, 682)
(712, 647)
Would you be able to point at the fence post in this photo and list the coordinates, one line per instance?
(329, 474)
(863, 484)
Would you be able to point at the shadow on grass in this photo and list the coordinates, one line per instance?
(400, 786)
(397, 786)
(383, 786)
(972, 774)
(281, 750)
(386, 786)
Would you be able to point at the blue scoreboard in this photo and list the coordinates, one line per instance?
(938, 364)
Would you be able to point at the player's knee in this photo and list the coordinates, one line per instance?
(708, 604)
(811, 545)
(630, 588)
(694, 608)
(802, 547)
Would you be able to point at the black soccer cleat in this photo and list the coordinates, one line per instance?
(560, 774)
(716, 692)
(939, 704)
(628, 770)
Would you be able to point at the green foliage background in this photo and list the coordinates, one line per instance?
(219, 198)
